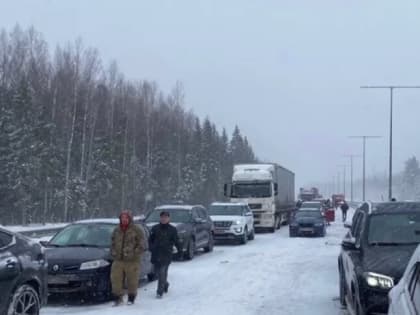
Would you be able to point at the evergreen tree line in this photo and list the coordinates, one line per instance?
(78, 140)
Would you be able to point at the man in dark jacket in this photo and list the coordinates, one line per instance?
(128, 243)
(163, 238)
(344, 208)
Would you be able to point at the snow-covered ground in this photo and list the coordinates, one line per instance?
(273, 274)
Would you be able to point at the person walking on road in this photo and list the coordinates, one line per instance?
(344, 208)
(128, 243)
(163, 238)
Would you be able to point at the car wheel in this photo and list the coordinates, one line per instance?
(210, 245)
(251, 236)
(244, 238)
(25, 301)
(359, 307)
(189, 255)
(342, 290)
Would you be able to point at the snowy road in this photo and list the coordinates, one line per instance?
(273, 274)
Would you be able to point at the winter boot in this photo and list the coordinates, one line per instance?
(166, 288)
(159, 295)
(131, 299)
(118, 300)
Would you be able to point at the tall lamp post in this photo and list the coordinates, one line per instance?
(351, 157)
(364, 138)
(391, 89)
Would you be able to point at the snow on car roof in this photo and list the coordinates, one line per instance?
(108, 220)
(309, 209)
(176, 207)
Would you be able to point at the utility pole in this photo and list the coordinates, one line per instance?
(364, 138)
(344, 177)
(351, 156)
(391, 89)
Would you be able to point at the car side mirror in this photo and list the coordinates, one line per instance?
(198, 220)
(276, 189)
(347, 225)
(44, 243)
(249, 214)
(228, 190)
(349, 244)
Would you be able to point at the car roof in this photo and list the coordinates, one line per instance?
(136, 219)
(314, 201)
(229, 204)
(309, 209)
(178, 207)
(389, 207)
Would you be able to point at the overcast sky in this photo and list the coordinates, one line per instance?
(287, 72)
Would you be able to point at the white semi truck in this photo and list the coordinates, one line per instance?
(268, 189)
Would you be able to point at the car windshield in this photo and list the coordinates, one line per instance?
(311, 205)
(306, 214)
(177, 215)
(395, 228)
(226, 210)
(251, 190)
(87, 235)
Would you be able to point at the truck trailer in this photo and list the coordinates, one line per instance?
(268, 189)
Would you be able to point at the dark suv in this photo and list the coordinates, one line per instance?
(194, 226)
(23, 275)
(375, 253)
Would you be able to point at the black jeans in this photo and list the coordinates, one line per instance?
(344, 215)
(162, 274)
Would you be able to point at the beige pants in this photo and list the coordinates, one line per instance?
(122, 271)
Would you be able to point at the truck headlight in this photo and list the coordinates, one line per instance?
(94, 264)
(376, 280)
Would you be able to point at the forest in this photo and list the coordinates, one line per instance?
(78, 140)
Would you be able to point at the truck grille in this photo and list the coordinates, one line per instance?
(255, 205)
(222, 224)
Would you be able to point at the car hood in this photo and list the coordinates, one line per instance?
(388, 260)
(232, 218)
(75, 255)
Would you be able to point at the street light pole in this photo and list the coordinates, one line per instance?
(364, 138)
(351, 156)
(391, 90)
(344, 177)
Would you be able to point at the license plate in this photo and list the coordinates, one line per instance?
(219, 231)
(58, 280)
(307, 229)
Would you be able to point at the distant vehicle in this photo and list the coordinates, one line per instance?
(268, 189)
(309, 194)
(232, 221)
(404, 298)
(308, 222)
(194, 225)
(23, 275)
(79, 259)
(313, 205)
(375, 253)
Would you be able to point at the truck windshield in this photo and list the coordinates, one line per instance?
(251, 190)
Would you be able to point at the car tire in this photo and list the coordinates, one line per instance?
(25, 296)
(189, 255)
(342, 287)
(210, 245)
(251, 236)
(244, 238)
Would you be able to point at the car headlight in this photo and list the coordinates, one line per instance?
(94, 264)
(237, 222)
(376, 280)
(319, 224)
(238, 229)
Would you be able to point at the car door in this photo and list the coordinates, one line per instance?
(205, 225)
(9, 266)
(403, 302)
(350, 257)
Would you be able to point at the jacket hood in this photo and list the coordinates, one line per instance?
(128, 214)
(388, 260)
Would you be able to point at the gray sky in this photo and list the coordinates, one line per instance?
(288, 72)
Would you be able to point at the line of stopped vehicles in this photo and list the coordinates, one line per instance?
(378, 266)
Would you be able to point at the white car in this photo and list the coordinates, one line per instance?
(404, 298)
(232, 221)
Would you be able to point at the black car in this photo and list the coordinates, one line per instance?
(308, 222)
(375, 253)
(23, 275)
(79, 259)
(194, 226)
